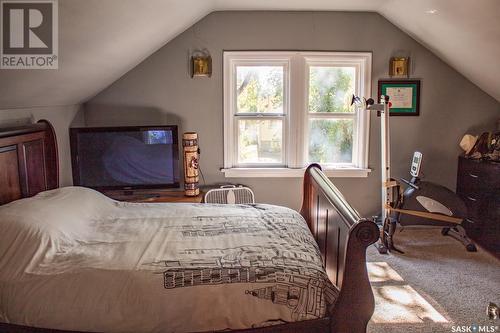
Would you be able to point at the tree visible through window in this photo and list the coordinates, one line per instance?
(330, 91)
(259, 89)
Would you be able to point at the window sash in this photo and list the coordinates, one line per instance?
(262, 63)
(296, 115)
(283, 141)
(258, 60)
(354, 153)
(313, 62)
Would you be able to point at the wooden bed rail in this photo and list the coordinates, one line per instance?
(342, 236)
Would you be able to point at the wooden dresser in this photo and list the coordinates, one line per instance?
(478, 184)
(152, 196)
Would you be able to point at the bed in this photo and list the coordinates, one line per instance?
(73, 260)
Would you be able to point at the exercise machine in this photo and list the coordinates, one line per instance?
(421, 203)
(429, 204)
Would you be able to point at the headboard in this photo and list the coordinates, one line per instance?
(28, 161)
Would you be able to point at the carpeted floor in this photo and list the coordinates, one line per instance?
(433, 286)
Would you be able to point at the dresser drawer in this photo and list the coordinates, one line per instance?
(472, 226)
(475, 204)
(470, 182)
(474, 176)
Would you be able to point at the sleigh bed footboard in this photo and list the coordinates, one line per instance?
(343, 237)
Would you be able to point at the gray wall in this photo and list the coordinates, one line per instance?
(61, 117)
(160, 90)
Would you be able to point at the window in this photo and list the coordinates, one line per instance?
(284, 110)
(259, 114)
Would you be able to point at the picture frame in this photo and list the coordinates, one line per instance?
(405, 97)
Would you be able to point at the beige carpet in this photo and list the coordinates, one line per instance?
(432, 287)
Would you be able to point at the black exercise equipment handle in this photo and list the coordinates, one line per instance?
(407, 182)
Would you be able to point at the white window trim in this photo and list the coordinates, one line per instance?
(293, 173)
(295, 93)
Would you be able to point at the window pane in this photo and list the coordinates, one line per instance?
(331, 88)
(330, 140)
(260, 141)
(259, 89)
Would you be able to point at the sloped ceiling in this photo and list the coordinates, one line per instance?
(101, 40)
(463, 33)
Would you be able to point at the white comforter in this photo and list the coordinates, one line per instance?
(73, 259)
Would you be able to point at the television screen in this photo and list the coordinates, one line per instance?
(125, 157)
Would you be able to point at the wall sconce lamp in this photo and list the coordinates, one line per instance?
(201, 64)
(399, 67)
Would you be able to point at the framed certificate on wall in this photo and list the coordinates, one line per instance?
(403, 95)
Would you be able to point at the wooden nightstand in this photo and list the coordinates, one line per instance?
(153, 196)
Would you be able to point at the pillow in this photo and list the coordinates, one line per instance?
(49, 221)
(62, 213)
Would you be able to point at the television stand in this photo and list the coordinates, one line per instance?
(152, 196)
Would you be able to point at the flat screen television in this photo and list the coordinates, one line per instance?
(108, 158)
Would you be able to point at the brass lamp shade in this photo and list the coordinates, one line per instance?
(399, 67)
(201, 65)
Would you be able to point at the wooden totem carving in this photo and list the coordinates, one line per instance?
(190, 152)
